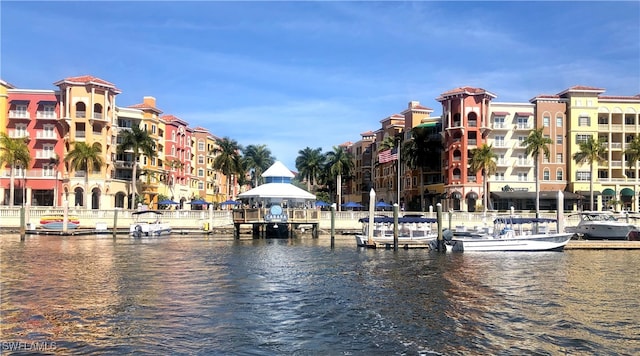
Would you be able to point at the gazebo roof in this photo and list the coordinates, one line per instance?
(278, 169)
(278, 190)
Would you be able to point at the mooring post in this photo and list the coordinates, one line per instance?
(23, 231)
(115, 223)
(333, 224)
(395, 226)
(441, 247)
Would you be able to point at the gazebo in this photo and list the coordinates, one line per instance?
(276, 207)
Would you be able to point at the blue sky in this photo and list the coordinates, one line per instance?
(316, 74)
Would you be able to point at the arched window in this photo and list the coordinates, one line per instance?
(81, 110)
(546, 175)
(457, 155)
(559, 174)
(79, 197)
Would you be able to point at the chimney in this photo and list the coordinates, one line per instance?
(150, 100)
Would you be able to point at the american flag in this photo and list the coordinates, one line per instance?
(388, 156)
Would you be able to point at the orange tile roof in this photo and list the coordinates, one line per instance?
(145, 106)
(87, 79)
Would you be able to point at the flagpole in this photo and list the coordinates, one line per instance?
(398, 168)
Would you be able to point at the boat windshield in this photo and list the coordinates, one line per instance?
(599, 217)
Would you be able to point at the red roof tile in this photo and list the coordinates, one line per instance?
(467, 90)
(500, 113)
(87, 79)
(524, 113)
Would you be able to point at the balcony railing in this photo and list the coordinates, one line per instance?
(31, 173)
(81, 134)
(46, 115)
(18, 134)
(615, 163)
(45, 154)
(524, 127)
(19, 114)
(81, 114)
(501, 126)
(97, 115)
(46, 135)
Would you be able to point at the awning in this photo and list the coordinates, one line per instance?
(524, 114)
(627, 192)
(532, 195)
(587, 193)
(609, 192)
(456, 195)
(472, 195)
(500, 113)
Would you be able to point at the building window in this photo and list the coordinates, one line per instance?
(545, 121)
(153, 129)
(523, 122)
(559, 139)
(200, 159)
(584, 121)
(559, 158)
(522, 177)
(200, 185)
(499, 176)
(498, 122)
(499, 141)
(200, 172)
(559, 175)
(200, 145)
(583, 176)
(559, 121)
(546, 175)
(582, 138)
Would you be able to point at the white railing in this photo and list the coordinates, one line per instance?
(14, 114)
(18, 134)
(31, 173)
(46, 115)
(44, 154)
(46, 135)
(81, 114)
(97, 115)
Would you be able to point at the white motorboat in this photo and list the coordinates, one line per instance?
(510, 235)
(147, 223)
(411, 231)
(602, 225)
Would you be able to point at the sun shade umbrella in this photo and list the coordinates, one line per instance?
(198, 202)
(322, 204)
(167, 202)
(382, 204)
(230, 202)
(352, 204)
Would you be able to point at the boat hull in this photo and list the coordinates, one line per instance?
(362, 240)
(546, 242)
(149, 230)
(604, 231)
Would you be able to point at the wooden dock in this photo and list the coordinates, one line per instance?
(602, 245)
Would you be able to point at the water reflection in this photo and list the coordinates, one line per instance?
(197, 295)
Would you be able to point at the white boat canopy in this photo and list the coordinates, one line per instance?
(278, 187)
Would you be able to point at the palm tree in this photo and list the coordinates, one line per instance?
(339, 163)
(590, 151)
(173, 164)
(387, 143)
(483, 158)
(13, 152)
(257, 158)
(309, 163)
(535, 144)
(228, 159)
(632, 152)
(422, 151)
(140, 143)
(88, 158)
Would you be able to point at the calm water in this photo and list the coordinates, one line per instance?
(193, 295)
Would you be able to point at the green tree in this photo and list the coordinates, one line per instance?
(13, 152)
(310, 162)
(339, 164)
(257, 159)
(138, 141)
(387, 143)
(632, 152)
(228, 160)
(535, 144)
(484, 159)
(590, 151)
(422, 151)
(87, 158)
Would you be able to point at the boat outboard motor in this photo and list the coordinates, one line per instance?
(447, 234)
(137, 232)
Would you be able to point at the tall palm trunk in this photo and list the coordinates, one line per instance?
(86, 189)
(485, 194)
(339, 191)
(421, 190)
(591, 187)
(537, 187)
(133, 184)
(12, 187)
